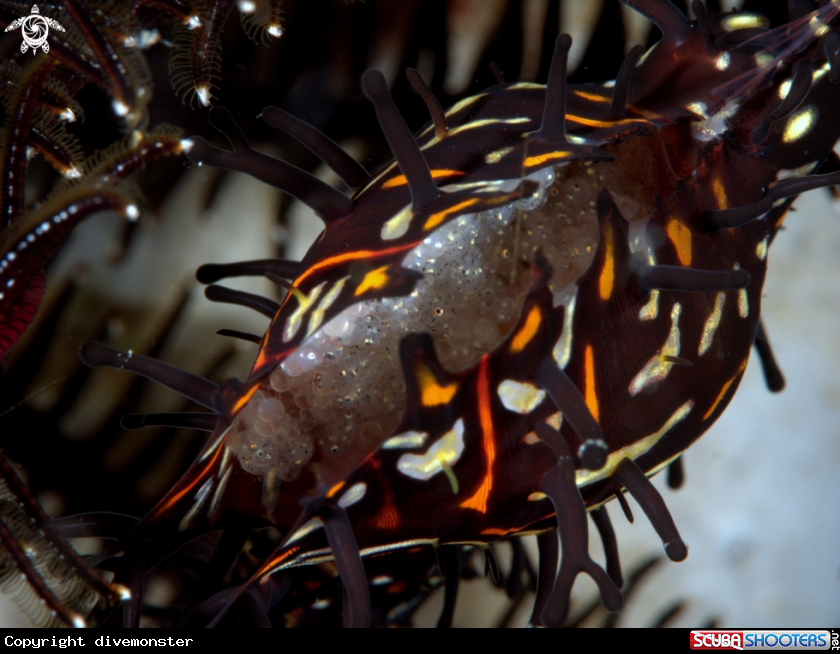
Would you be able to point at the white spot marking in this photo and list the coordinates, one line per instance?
(293, 323)
(713, 126)
(790, 173)
(200, 497)
(496, 155)
(651, 310)
(485, 122)
(397, 226)
(406, 441)
(743, 20)
(354, 494)
(120, 108)
(658, 367)
(447, 449)
(220, 489)
(761, 249)
(318, 314)
(712, 323)
(204, 95)
(743, 299)
(633, 451)
(307, 528)
(800, 124)
(520, 397)
(563, 348)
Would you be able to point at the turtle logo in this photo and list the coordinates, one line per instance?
(35, 28)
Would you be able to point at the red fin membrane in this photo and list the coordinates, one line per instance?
(21, 314)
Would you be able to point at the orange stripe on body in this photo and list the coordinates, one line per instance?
(437, 218)
(590, 122)
(338, 259)
(332, 491)
(269, 565)
(723, 391)
(485, 417)
(602, 99)
(375, 280)
(720, 193)
(590, 394)
(494, 532)
(351, 256)
(242, 401)
(592, 96)
(432, 393)
(680, 236)
(607, 278)
(400, 180)
(542, 158)
(191, 486)
(529, 329)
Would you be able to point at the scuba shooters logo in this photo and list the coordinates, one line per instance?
(799, 639)
(35, 29)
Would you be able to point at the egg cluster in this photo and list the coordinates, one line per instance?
(343, 387)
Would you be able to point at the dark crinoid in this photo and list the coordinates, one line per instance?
(97, 127)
